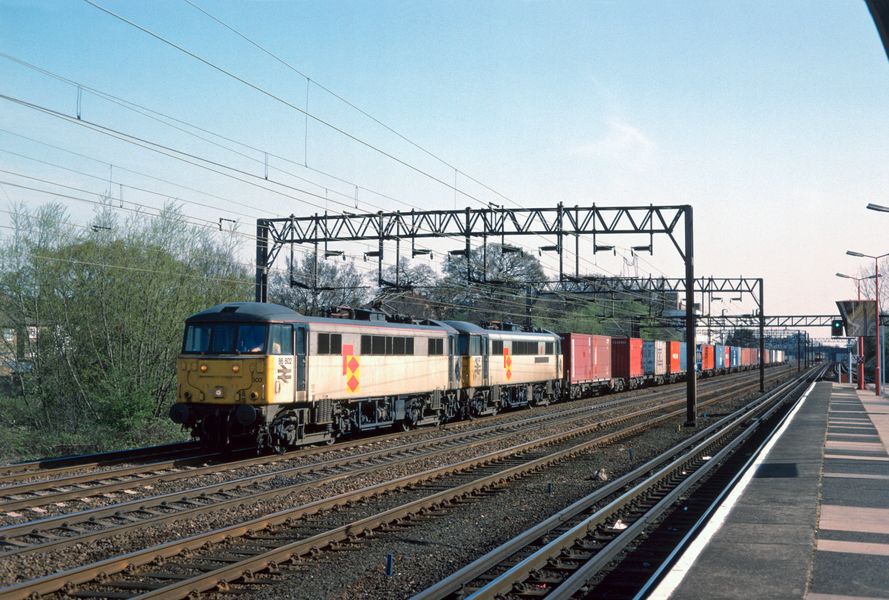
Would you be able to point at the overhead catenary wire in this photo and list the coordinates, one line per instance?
(129, 105)
(162, 117)
(211, 224)
(199, 158)
(501, 301)
(281, 100)
(352, 105)
(160, 148)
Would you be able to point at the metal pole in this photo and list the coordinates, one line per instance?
(397, 264)
(559, 241)
(878, 372)
(528, 307)
(379, 255)
(314, 281)
(691, 396)
(262, 257)
(799, 357)
(860, 347)
(762, 340)
(468, 247)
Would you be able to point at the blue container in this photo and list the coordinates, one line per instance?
(648, 358)
(736, 356)
(697, 358)
(718, 356)
(683, 357)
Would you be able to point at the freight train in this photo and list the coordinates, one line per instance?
(258, 373)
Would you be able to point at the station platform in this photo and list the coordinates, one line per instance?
(809, 519)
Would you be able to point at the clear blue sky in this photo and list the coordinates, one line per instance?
(770, 118)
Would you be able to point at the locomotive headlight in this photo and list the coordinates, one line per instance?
(218, 392)
(203, 368)
(254, 395)
(235, 368)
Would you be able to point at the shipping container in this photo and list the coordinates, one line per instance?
(602, 358)
(674, 358)
(654, 358)
(719, 357)
(683, 357)
(735, 357)
(704, 358)
(587, 357)
(626, 358)
(577, 350)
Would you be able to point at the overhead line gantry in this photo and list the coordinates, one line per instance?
(493, 222)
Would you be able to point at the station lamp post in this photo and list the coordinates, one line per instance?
(877, 371)
(860, 368)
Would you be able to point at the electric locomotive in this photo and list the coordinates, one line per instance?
(263, 374)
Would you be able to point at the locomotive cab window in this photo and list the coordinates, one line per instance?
(497, 347)
(281, 339)
(224, 338)
(197, 339)
(435, 346)
(251, 339)
(549, 348)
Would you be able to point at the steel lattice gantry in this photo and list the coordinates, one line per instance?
(783, 321)
(559, 221)
(702, 285)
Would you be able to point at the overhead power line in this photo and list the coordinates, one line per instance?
(281, 100)
(352, 105)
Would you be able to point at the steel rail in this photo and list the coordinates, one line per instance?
(459, 579)
(163, 472)
(146, 512)
(155, 472)
(587, 571)
(80, 575)
(108, 457)
(678, 476)
(362, 464)
(709, 510)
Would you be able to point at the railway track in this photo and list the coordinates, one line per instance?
(65, 465)
(573, 552)
(238, 551)
(65, 530)
(57, 495)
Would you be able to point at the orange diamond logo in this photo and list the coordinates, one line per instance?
(352, 384)
(353, 364)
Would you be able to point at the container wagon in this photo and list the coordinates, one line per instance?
(734, 358)
(654, 361)
(587, 363)
(676, 361)
(626, 363)
(705, 359)
(719, 358)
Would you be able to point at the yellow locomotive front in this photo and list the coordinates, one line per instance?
(236, 368)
